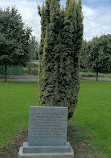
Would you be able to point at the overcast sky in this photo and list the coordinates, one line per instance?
(97, 15)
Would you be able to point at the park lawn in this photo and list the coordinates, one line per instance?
(15, 99)
(92, 116)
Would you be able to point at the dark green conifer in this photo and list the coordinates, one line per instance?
(78, 41)
(72, 14)
(49, 72)
(44, 12)
(66, 67)
(61, 38)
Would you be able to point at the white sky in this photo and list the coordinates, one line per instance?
(97, 19)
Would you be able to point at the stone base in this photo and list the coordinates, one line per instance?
(46, 149)
(45, 155)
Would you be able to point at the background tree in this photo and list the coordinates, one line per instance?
(96, 55)
(59, 53)
(84, 55)
(33, 48)
(100, 54)
(14, 39)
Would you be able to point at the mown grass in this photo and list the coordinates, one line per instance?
(15, 99)
(92, 118)
(93, 112)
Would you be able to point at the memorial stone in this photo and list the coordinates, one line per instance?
(47, 134)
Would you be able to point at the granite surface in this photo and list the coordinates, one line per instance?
(47, 133)
(46, 149)
(47, 126)
(46, 155)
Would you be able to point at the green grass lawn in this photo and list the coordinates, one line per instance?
(93, 112)
(92, 117)
(15, 99)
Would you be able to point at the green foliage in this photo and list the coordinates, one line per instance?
(59, 52)
(14, 39)
(31, 68)
(100, 54)
(96, 54)
(33, 48)
(84, 55)
(48, 90)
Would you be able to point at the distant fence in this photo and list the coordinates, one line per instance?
(13, 70)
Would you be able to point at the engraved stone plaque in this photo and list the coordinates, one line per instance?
(47, 132)
(47, 126)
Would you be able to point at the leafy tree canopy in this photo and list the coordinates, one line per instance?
(96, 54)
(14, 38)
(34, 48)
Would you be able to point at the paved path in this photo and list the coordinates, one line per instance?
(21, 78)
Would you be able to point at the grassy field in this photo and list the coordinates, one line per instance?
(94, 114)
(15, 99)
(92, 118)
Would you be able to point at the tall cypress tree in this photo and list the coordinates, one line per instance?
(78, 41)
(49, 72)
(72, 10)
(66, 66)
(44, 12)
(59, 51)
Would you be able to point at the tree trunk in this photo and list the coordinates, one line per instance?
(96, 76)
(5, 73)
